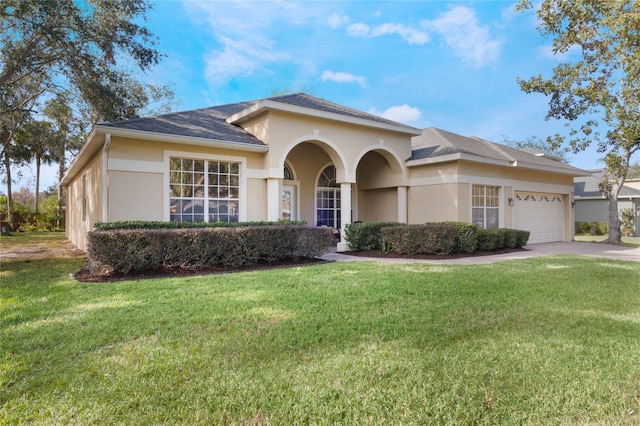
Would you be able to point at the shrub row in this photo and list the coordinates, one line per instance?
(431, 238)
(365, 236)
(496, 239)
(136, 250)
(140, 224)
(592, 228)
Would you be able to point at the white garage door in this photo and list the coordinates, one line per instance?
(541, 214)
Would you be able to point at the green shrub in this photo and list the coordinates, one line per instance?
(364, 236)
(522, 237)
(134, 250)
(602, 228)
(420, 239)
(466, 240)
(583, 228)
(627, 222)
(490, 239)
(140, 224)
(510, 238)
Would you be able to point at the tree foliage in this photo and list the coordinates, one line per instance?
(599, 94)
(538, 144)
(84, 55)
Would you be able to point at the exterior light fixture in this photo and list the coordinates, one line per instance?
(511, 202)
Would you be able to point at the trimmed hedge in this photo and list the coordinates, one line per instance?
(140, 224)
(135, 250)
(364, 236)
(499, 238)
(424, 239)
(429, 238)
(466, 237)
(592, 228)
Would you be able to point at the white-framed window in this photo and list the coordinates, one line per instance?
(203, 190)
(328, 199)
(485, 206)
(289, 195)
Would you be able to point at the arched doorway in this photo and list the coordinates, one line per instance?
(328, 205)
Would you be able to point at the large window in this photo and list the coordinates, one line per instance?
(328, 199)
(203, 190)
(485, 205)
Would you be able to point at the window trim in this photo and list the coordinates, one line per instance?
(242, 190)
(484, 207)
(337, 189)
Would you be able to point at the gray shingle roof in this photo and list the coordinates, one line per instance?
(209, 123)
(587, 187)
(206, 123)
(435, 143)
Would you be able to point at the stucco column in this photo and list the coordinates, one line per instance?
(402, 204)
(345, 214)
(274, 199)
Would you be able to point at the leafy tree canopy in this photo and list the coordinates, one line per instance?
(66, 46)
(599, 94)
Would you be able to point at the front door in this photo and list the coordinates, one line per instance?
(289, 203)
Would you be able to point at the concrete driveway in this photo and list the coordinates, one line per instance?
(533, 250)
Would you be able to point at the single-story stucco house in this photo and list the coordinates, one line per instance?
(299, 157)
(593, 206)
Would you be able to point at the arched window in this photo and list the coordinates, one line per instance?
(328, 199)
(288, 174)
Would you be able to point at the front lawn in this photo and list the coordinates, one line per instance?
(551, 340)
(626, 241)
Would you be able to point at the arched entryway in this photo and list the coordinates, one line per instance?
(381, 189)
(328, 200)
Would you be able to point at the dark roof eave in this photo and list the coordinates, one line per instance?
(188, 140)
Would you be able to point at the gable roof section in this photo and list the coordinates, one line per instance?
(586, 187)
(205, 123)
(437, 146)
(303, 104)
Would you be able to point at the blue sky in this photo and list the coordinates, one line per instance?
(447, 64)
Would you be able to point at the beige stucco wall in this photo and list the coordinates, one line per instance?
(345, 143)
(136, 196)
(436, 203)
(379, 205)
(78, 224)
(257, 196)
(442, 191)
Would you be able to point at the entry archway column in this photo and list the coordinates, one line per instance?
(402, 204)
(274, 199)
(345, 214)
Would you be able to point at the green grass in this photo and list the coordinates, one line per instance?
(627, 241)
(551, 340)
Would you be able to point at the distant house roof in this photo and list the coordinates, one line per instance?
(436, 145)
(219, 123)
(587, 187)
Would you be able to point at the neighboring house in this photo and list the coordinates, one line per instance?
(593, 206)
(303, 158)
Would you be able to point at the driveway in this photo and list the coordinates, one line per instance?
(533, 250)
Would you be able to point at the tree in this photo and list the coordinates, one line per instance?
(38, 139)
(538, 144)
(73, 48)
(599, 91)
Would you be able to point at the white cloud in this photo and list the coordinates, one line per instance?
(466, 37)
(343, 77)
(245, 33)
(336, 21)
(408, 34)
(400, 113)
